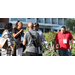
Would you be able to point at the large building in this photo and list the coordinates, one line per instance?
(46, 24)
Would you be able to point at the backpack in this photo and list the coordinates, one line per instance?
(34, 40)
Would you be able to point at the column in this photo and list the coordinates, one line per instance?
(35, 20)
(26, 19)
(62, 21)
(43, 30)
(57, 20)
(43, 20)
(9, 19)
(50, 20)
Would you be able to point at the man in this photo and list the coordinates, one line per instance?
(63, 37)
(36, 28)
(31, 50)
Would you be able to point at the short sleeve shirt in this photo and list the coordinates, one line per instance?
(18, 38)
(29, 46)
(59, 37)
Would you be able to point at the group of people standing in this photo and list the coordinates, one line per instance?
(31, 41)
(18, 40)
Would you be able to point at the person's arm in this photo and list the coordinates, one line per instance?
(16, 34)
(42, 37)
(71, 44)
(39, 42)
(12, 49)
(9, 42)
(55, 42)
(24, 42)
(39, 39)
(71, 41)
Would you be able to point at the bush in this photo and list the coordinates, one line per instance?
(49, 51)
(26, 30)
(73, 50)
(70, 23)
(50, 36)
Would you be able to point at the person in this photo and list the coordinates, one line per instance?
(31, 49)
(18, 33)
(36, 28)
(8, 35)
(63, 37)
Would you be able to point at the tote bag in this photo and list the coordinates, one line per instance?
(3, 43)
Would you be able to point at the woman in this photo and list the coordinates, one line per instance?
(18, 33)
(7, 35)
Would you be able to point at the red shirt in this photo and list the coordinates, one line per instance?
(59, 37)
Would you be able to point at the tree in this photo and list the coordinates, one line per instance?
(70, 23)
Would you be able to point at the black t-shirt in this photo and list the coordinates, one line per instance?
(18, 38)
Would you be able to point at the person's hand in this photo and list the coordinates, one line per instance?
(70, 47)
(21, 30)
(12, 51)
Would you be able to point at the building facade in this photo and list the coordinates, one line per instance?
(46, 24)
(3, 21)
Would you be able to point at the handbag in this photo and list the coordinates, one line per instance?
(3, 43)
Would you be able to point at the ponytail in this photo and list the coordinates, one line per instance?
(17, 24)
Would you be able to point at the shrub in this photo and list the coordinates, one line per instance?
(49, 37)
(49, 51)
(70, 23)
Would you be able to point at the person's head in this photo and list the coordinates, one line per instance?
(63, 29)
(36, 26)
(8, 26)
(19, 25)
(30, 26)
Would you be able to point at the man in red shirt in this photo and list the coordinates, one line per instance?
(63, 37)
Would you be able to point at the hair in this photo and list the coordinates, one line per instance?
(17, 24)
(63, 27)
(36, 24)
(8, 26)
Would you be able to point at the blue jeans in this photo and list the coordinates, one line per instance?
(66, 52)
